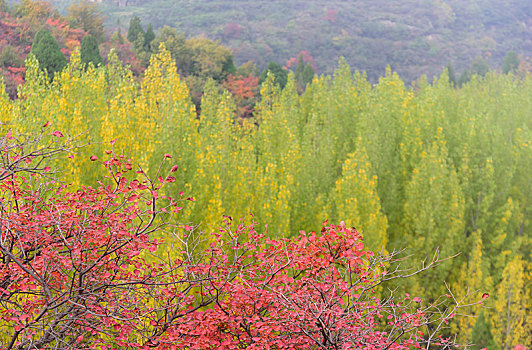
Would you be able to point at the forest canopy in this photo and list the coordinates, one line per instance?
(437, 169)
(389, 148)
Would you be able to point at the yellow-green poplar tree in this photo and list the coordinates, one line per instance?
(211, 157)
(382, 129)
(357, 202)
(120, 122)
(472, 280)
(511, 320)
(78, 102)
(433, 214)
(165, 113)
(277, 150)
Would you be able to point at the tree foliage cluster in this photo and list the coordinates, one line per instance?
(28, 20)
(422, 167)
(198, 59)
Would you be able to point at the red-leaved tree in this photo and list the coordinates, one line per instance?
(87, 269)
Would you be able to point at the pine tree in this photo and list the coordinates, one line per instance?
(480, 66)
(135, 28)
(451, 75)
(299, 73)
(47, 52)
(510, 63)
(308, 74)
(90, 52)
(304, 74)
(280, 74)
(38, 36)
(148, 38)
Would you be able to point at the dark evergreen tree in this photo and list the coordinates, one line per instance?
(135, 28)
(510, 63)
(148, 38)
(280, 74)
(304, 74)
(47, 52)
(308, 74)
(228, 67)
(90, 51)
(9, 57)
(451, 74)
(117, 36)
(38, 36)
(464, 77)
(299, 70)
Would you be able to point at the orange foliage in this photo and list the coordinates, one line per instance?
(242, 87)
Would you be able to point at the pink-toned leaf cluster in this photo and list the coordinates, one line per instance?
(307, 58)
(316, 291)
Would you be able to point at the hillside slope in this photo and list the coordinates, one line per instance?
(414, 36)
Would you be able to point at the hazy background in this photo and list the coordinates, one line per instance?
(414, 37)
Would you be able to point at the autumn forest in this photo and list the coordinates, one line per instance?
(155, 194)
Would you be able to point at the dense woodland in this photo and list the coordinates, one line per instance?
(415, 37)
(436, 167)
(425, 168)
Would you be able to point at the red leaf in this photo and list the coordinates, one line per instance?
(167, 155)
(57, 134)
(94, 158)
(485, 296)
(47, 124)
(174, 169)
